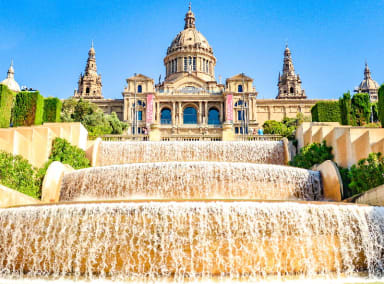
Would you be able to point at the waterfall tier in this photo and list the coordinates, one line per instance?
(262, 152)
(191, 240)
(192, 180)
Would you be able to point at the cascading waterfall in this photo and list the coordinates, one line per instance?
(192, 180)
(185, 214)
(191, 240)
(262, 152)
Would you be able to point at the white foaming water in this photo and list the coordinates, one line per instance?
(192, 180)
(262, 152)
(148, 241)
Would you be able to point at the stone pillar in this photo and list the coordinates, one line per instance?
(154, 134)
(125, 111)
(221, 113)
(228, 133)
(180, 114)
(206, 113)
(200, 114)
(158, 112)
(173, 114)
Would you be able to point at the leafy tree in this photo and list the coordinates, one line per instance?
(311, 155)
(368, 173)
(286, 127)
(92, 117)
(361, 108)
(375, 112)
(17, 173)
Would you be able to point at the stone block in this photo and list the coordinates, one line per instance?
(10, 197)
(331, 180)
(52, 182)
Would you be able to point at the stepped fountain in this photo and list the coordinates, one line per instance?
(174, 211)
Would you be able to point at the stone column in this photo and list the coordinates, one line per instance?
(206, 113)
(173, 114)
(255, 110)
(221, 113)
(158, 112)
(125, 110)
(250, 108)
(180, 114)
(200, 114)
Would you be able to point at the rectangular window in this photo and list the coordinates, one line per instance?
(185, 64)
(139, 115)
(176, 65)
(194, 63)
(240, 115)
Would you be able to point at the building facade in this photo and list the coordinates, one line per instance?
(190, 101)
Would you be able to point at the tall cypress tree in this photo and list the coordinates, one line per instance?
(346, 109)
(381, 105)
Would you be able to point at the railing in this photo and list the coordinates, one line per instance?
(138, 137)
(252, 137)
(192, 137)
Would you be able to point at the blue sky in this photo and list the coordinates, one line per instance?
(329, 40)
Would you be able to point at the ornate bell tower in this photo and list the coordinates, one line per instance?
(289, 83)
(89, 85)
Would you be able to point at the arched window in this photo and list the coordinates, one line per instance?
(213, 116)
(166, 116)
(87, 90)
(291, 90)
(190, 116)
(240, 88)
(139, 89)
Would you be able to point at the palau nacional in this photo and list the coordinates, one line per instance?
(190, 101)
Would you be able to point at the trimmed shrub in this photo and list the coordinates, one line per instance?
(52, 110)
(6, 102)
(380, 105)
(367, 174)
(345, 104)
(18, 174)
(28, 109)
(311, 155)
(361, 109)
(327, 111)
(66, 153)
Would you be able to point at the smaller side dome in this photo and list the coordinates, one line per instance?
(368, 83)
(10, 81)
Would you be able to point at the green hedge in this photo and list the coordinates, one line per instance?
(6, 102)
(28, 109)
(327, 111)
(380, 105)
(361, 109)
(52, 110)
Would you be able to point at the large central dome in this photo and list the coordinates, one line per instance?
(190, 53)
(191, 38)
